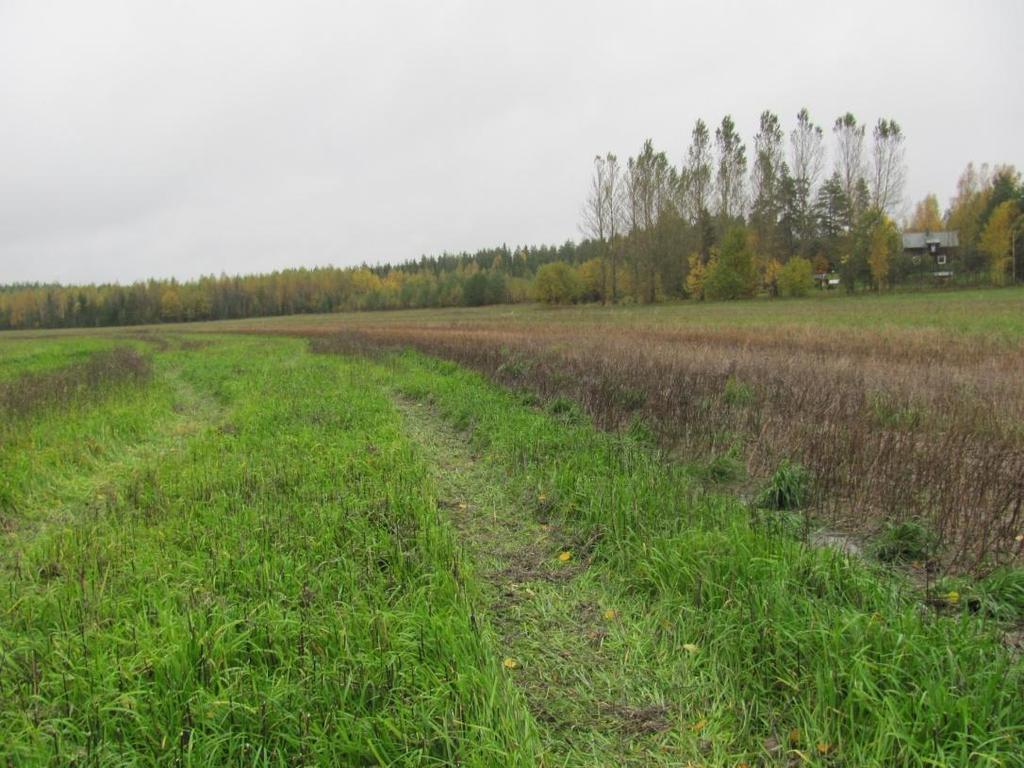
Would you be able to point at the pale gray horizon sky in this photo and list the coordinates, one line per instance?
(155, 139)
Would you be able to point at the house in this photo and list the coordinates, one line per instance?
(826, 280)
(932, 249)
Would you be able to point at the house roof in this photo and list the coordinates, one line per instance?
(944, 239)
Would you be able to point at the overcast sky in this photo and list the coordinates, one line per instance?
(161, 139)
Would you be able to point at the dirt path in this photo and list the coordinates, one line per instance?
(566, 636)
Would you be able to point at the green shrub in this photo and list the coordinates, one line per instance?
(788, 488)
(796, 277)
(731, 274)
(557, 283)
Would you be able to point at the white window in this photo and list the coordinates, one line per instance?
(940, 259)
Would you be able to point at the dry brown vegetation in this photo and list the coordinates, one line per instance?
(32, 391)
(908, 426)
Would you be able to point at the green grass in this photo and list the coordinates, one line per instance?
(20, 355)
(278, 587)
(260, 558)
(788, 637)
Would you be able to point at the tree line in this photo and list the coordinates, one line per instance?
(803, 204)
(488, 276)
(724, 223)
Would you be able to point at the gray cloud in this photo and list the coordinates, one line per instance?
(146, 139)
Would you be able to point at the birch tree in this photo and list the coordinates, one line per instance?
(889, 169)
(732, 170)
(767, 183)
(596, 223)
(849, 154)
(807, 161)
(699, 160)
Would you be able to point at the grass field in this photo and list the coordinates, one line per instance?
(249, 549)
(995, 315)
(908, 410)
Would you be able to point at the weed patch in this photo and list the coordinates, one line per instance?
(94, 378)
(905, 542)
(787, 489)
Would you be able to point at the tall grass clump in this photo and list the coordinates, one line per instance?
(788, 488)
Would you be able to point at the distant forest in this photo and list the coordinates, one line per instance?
(793, 213)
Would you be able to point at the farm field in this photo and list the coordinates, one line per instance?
(995, 314)
(908, 410)
(247, 549)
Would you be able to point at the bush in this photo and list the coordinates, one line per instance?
(557, 283)
(796, 278)
(787, 488)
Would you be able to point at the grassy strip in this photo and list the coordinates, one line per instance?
(30, 392)
(280, 591)
(20, 355)
(791, 652)
(598, 690)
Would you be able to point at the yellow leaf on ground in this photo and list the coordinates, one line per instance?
(510, 663)
(610, 614)
(690, 648)
(565, 556)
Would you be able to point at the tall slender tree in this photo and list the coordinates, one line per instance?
(888, 166)
(807, 161)
(732, 170)
(698, 173)
(767, 186)
(614, 201)
(849, 155)
(651, 184)
(596, 215)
